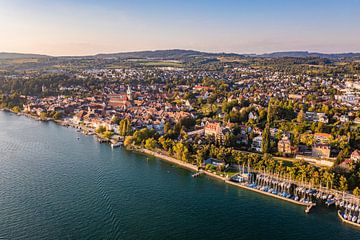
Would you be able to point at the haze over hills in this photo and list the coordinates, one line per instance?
(8, 55)
(181, 54)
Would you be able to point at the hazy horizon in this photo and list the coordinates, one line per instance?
(77, 28)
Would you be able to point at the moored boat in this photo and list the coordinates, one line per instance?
(344, 218)
(115, 145)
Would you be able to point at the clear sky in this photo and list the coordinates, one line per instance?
(79, 27)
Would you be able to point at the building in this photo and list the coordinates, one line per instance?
(214, 162)
(129, 93)
(322, 138)
(257, 143)
(321, 151)
(253, 115)
(344, 119)
(316, 117)
(284, 146)
(355, 156)
(118, 100)
(214, 129)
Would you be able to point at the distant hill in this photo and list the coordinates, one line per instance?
(180, 54)
(7, 55)
(164, 54)
(306, 54)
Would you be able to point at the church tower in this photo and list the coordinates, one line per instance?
(129, 93)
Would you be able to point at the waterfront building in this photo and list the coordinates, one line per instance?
(214, 129)
(321, 151)
(284, 146)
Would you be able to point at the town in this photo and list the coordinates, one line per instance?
(294, 118)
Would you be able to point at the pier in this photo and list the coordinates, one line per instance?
(197, 174)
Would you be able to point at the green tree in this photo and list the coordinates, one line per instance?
(15, 109)
(100, 129)
(356, 191)
(128, 141)
(343, 186)
(301, 116)
(150, 143)
(124, 127)
(57, 115)
(107, 134)
(200, 156)
(43, 116)
(265, 144)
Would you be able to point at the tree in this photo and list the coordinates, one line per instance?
(301, 116)
(167, 127)
(356, 191)
(150, 143)
(269, 112)
(181, 151)
(200, 156)
(343, 186)
(115, 119)
(100, 129)
(166, 143)
(107, 134)
(43, 116)
(128, 141)
(265, 144)
(15, 109)
(57, 115)
(140, 136)
(124, 127)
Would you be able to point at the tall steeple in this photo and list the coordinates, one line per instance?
(129, 93)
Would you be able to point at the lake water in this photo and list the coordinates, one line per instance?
(55, 186)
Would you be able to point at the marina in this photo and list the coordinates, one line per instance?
(349, 219)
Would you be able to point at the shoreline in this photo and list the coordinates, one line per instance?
(224, 179)
(182, 164)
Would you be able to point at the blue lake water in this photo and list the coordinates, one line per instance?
(55, 186)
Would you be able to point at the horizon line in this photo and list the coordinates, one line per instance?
(172, 49)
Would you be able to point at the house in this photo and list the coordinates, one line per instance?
(322, 138)
(321, 151)
(284, 146)
(321, 117)
(79, 117)
(344, 119)
(295, 96)
(316, 117)
(214, 129)
(214, 162)
(355, 156)
(253, 115)
(257, 143)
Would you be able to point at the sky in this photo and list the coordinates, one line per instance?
(79, 27)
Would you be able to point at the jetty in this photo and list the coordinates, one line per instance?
(308, 208)
(197, 174)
